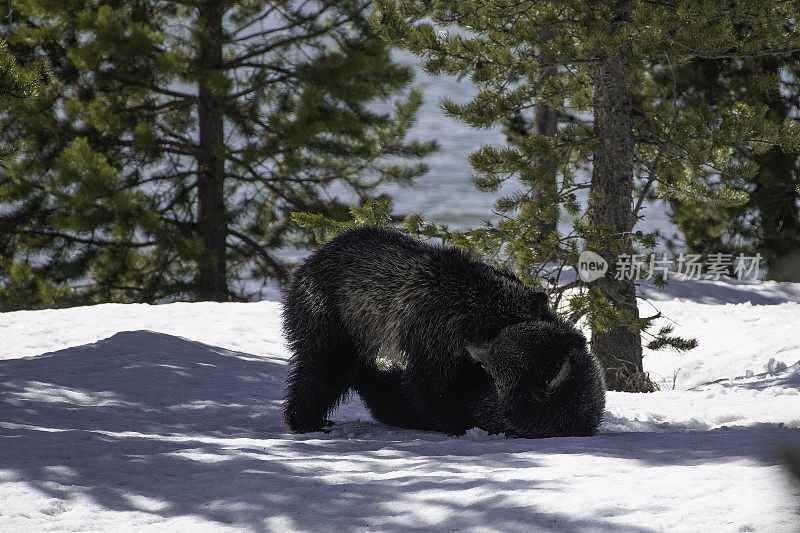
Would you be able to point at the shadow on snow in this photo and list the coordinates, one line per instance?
(155, 423)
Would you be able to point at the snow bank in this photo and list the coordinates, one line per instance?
(148, 418)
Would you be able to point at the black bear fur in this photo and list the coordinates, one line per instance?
(480, 348)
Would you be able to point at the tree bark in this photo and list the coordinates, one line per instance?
(545, 122)
(211, 279)
(775, 197)
(775, 194)
(619, 348)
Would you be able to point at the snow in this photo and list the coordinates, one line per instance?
(168, 418)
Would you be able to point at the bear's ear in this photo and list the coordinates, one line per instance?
(479, 352)
(539, 308)
(539, 300)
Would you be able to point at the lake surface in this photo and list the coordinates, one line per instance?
(445, 194)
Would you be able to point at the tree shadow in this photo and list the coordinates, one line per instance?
(787, 379)
(150, 422)
(724, 291)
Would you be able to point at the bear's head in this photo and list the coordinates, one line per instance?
(546, 381)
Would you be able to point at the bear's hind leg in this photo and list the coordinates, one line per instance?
(382, 392)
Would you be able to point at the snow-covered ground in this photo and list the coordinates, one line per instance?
(168, 418)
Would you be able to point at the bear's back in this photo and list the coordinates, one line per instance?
(384, 285)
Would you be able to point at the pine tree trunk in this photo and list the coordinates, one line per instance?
(546, 123)
(211, 279)
(776, 200)
(775, 194)
(619, 348)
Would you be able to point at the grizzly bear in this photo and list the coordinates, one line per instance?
(476, 347)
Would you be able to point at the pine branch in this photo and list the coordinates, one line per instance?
(280, 270)
(237, 61)
(304, 19)
(83, 240)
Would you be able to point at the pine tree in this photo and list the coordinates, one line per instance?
(769, 222)
(606, 64)
(176, 138)
(18, 286)
(18, 81)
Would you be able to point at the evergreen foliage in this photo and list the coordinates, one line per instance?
(164, 158)
(622, 118)
(18, 285)
(768, 223)
(18, 81)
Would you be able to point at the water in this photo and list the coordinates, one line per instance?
(445, 194)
